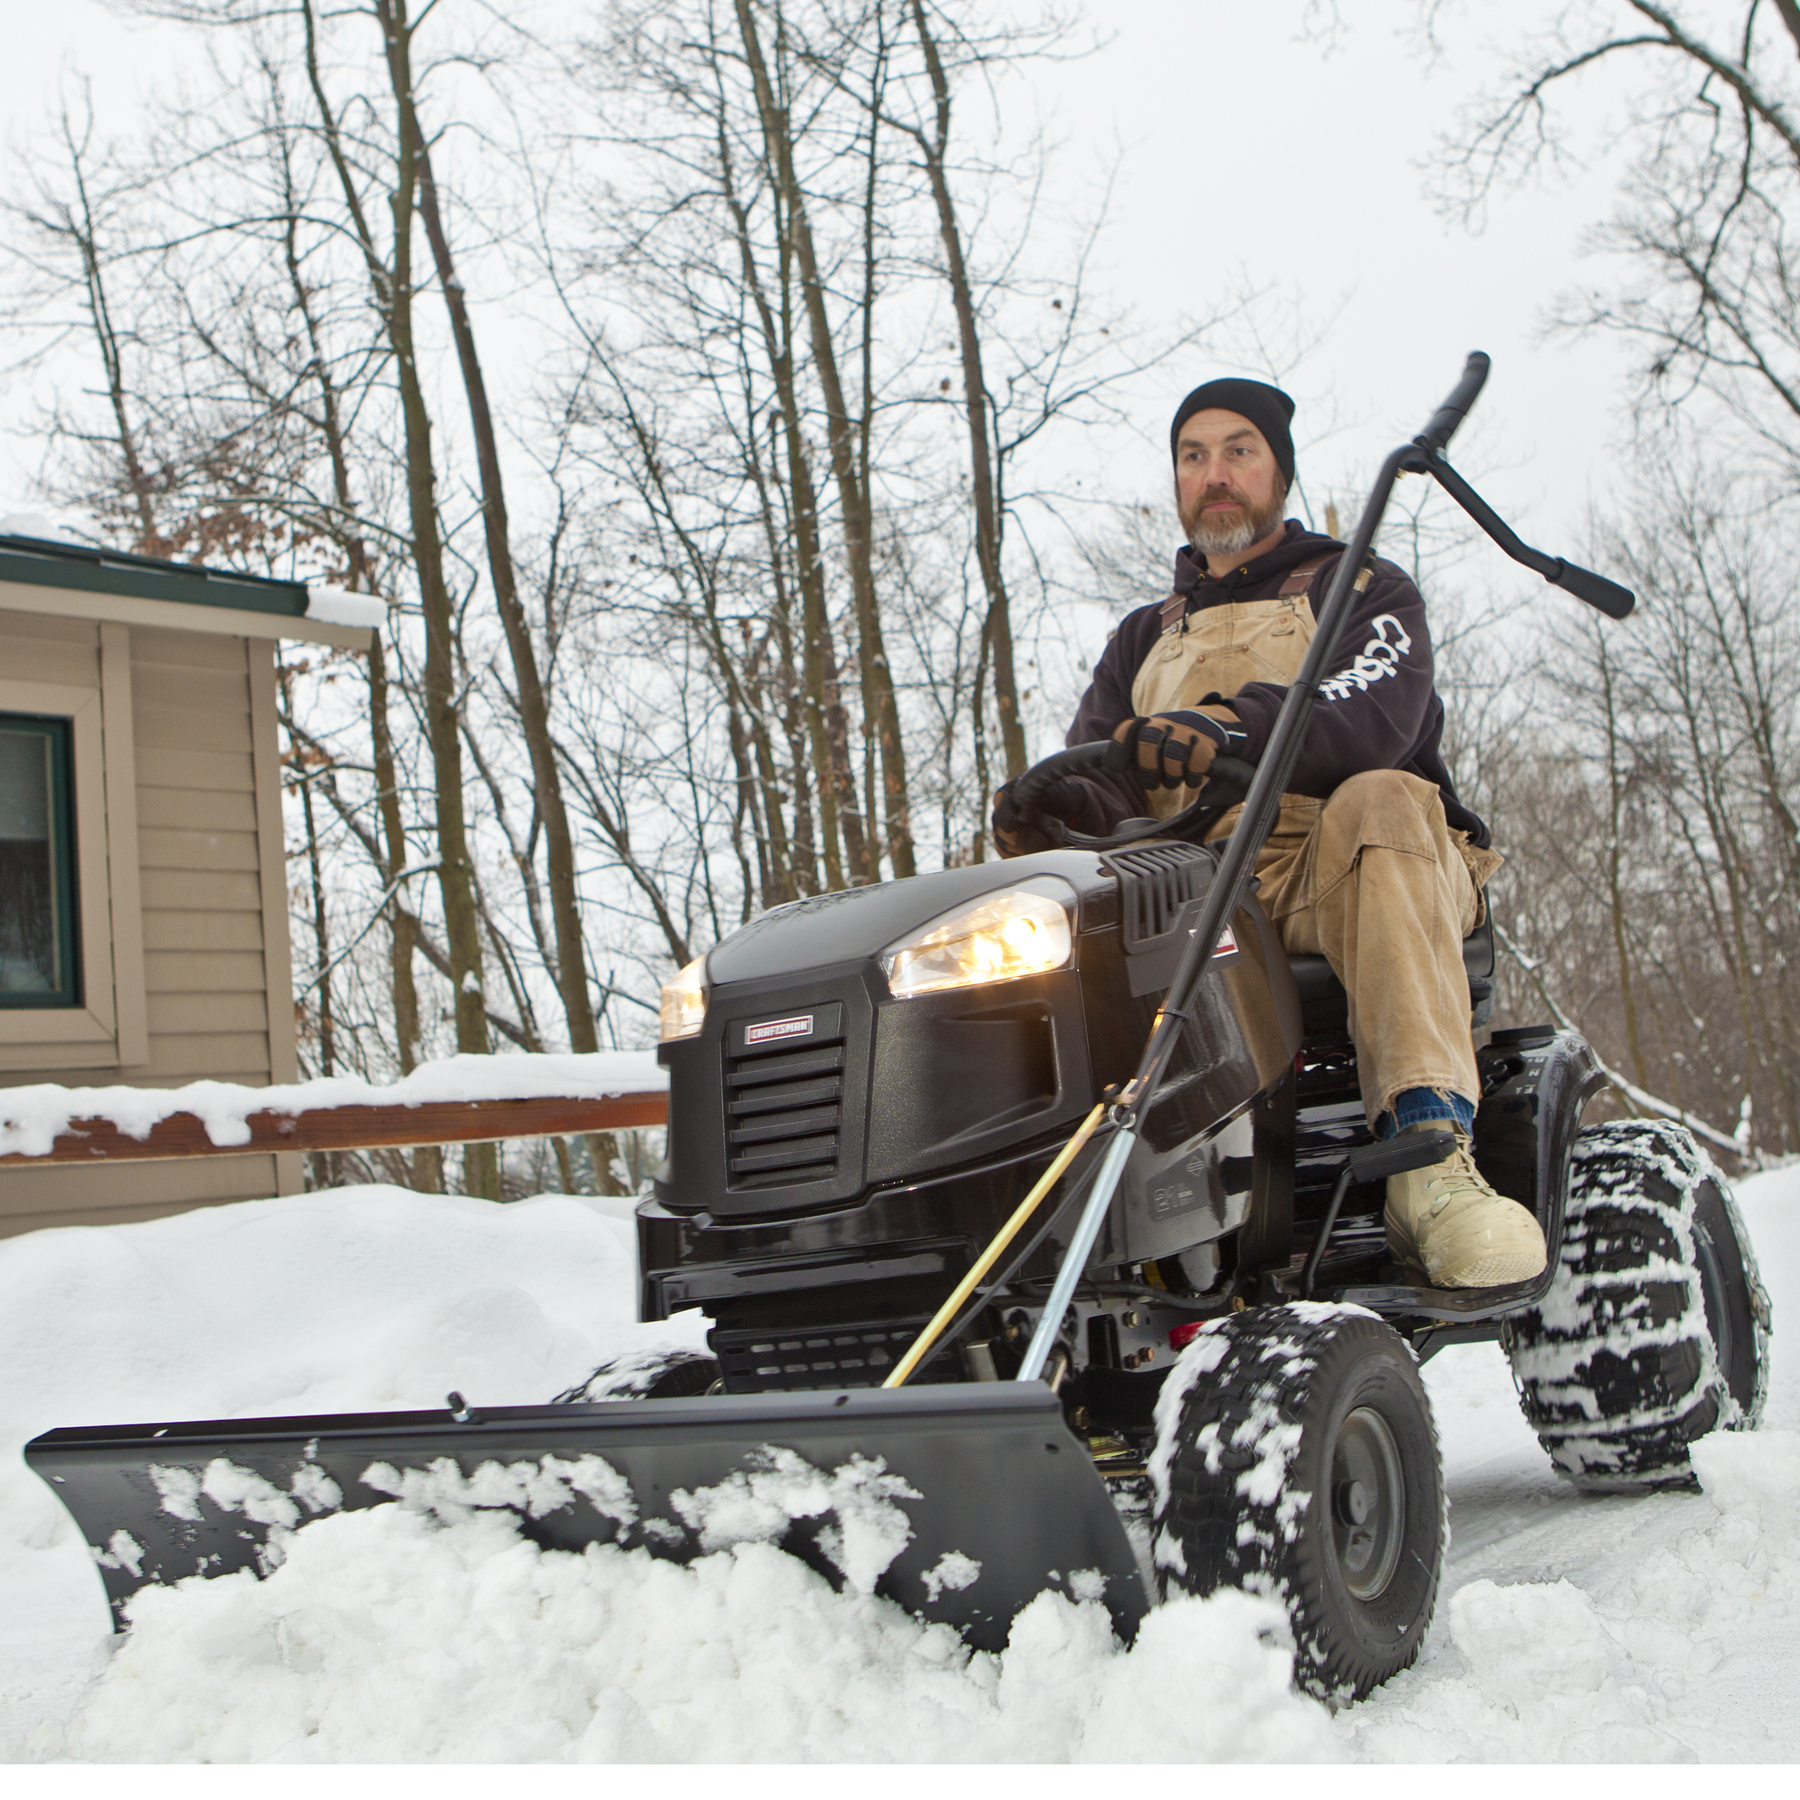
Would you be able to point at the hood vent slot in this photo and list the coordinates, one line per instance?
(1156, 881)
(1161, 890)
(784, 1090)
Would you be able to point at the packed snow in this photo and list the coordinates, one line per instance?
(31, 1118)
(1664, 1627)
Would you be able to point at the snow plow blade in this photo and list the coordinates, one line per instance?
(988, 1474)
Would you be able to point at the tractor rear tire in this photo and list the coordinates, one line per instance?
(1296, 1457)
(1655, 1328)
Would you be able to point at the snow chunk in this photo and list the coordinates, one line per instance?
(178, 1490)
(233, 1489)
(122, 1551)
(1756, 1474)
(1529, 1642)
(951, 1573)
(531, 1489)
(756, 1504)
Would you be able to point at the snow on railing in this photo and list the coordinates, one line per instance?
(461, 1100)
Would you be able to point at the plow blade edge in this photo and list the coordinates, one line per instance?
(1001, 1499)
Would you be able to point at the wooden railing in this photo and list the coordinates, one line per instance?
(356, 1128)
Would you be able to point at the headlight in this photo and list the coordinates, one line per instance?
(1023, 930)
(684, 1004)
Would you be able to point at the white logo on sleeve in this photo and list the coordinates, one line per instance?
(1379, 656)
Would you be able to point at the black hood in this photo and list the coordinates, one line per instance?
(857, 924)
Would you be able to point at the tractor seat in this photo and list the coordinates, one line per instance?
(1325, 1007)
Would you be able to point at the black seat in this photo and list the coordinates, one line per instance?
(1325, 1007)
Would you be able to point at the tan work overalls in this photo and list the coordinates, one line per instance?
(1373, 878)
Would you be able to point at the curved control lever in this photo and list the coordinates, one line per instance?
(1584, 584)
(1615, 601)
(1454, 410)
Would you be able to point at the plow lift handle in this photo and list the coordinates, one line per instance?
(1424, 455)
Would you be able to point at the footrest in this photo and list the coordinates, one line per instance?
(1402, 1301)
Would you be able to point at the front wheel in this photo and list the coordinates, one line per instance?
(658, 1375)
(1296, 1456)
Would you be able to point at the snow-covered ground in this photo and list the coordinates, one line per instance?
(1657, 1628)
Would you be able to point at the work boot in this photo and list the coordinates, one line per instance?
(1448, 1227)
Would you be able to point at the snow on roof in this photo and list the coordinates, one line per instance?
(37, 552)
(338, 607)
(36, 525)
(31, 1118)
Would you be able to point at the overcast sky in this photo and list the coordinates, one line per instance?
(1240, 150)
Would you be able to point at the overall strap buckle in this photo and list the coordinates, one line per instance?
(1300, 579)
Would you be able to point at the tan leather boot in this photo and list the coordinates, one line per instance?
(1446, 1224)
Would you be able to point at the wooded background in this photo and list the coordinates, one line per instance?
(782, 333)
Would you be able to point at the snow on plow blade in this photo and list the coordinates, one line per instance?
(994, 1497)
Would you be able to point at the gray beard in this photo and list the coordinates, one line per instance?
(1228, 540)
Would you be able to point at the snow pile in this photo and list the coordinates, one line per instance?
(31, 1118)
(389, 1636)
(364, 1298)
(1617, 1670)
(359, 1298)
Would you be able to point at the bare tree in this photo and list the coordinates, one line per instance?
(1702, 231)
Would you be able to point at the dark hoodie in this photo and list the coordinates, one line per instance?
(1377, 708)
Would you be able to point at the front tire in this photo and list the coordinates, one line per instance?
(1296, 1456)
(1655, 1328)
(664, 1375)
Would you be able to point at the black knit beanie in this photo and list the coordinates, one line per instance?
(1267, 408)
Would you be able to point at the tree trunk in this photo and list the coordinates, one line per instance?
(997, 630)
(880, 710)
(570, 965)
(462, 925)
(428, 1159)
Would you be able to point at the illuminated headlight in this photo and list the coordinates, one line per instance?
(684, 1004)
(1021, 931)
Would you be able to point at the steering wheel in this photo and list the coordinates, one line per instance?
(1227, 781)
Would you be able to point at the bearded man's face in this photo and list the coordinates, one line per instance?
(1229, 490)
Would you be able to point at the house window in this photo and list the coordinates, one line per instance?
(38, 962)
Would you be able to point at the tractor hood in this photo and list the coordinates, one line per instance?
(857, 924)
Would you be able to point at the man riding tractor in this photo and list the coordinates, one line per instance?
(1374, 862)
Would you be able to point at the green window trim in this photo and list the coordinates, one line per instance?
(40, 952)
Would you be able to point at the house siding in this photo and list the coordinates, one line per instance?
(210, 873)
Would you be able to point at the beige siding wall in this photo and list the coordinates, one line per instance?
(211, 884)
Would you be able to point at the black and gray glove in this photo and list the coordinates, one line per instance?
(1176, 749)
(1020, 833)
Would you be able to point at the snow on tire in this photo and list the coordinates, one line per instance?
(1655, 1327)
(1296, 1457)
